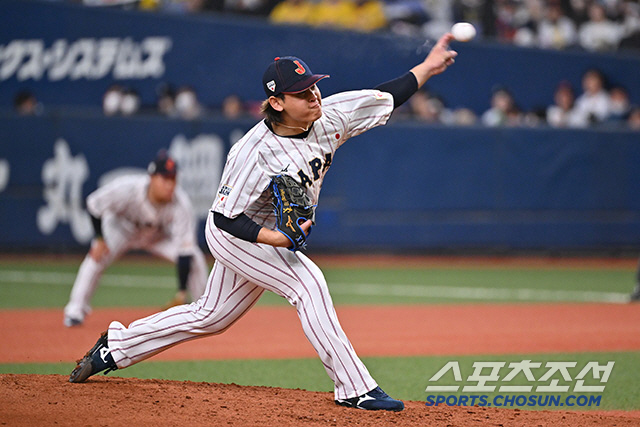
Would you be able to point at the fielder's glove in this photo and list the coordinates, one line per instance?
(292, 207)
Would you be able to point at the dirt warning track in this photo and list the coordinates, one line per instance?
(275, 332)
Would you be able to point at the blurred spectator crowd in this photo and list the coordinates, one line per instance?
(594, 104)
(593, 25)
(179, 103)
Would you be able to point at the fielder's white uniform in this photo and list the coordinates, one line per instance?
(243, 270)
(131, 221)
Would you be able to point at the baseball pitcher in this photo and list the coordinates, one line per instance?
(260, 219)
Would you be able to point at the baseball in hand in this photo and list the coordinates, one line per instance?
(463, 31)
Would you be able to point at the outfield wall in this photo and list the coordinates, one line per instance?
(399, 187)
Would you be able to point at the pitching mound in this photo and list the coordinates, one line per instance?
(29, 400)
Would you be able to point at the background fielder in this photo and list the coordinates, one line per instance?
(140, 212)
(299, 137)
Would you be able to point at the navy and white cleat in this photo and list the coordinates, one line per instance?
(96, 360)
(375, 400)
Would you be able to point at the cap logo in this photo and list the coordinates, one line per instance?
(271, 86)
(300, 70)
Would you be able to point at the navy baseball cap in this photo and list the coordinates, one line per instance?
(163, 165)
(289, 74)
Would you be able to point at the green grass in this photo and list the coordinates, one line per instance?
(26, 284)
(46, 284)
(402, 377)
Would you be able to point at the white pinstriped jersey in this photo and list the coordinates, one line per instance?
(126, 198)
(261, 154)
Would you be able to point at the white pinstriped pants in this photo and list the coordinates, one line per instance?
(241, 273)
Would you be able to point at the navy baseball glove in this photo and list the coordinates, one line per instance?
(292, 207)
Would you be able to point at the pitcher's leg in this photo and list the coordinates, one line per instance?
(226, 298)
(322, 327)
(300, 281)
(197, 281)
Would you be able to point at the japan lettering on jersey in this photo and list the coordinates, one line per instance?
(261, 154)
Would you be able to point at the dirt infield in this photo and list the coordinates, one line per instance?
(34, 400)
(274, 332)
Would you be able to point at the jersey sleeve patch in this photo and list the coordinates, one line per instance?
(224, 192)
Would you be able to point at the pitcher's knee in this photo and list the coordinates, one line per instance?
(208, 321)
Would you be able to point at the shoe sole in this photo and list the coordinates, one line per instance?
(349, 405)
(81, 372)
